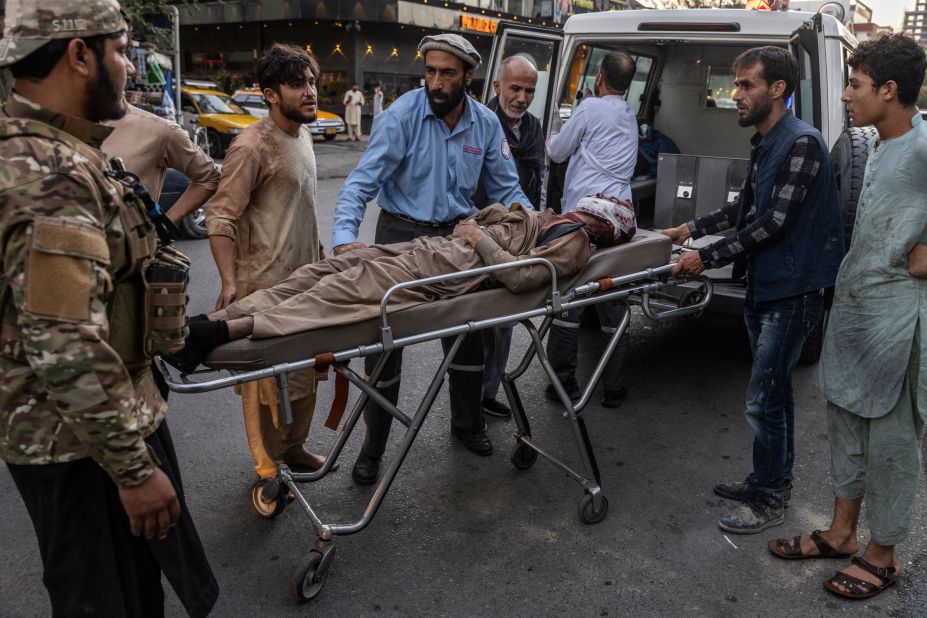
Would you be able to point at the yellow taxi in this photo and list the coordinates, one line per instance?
(206, 106)
(326, 124)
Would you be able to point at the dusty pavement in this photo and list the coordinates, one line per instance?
(460, 535)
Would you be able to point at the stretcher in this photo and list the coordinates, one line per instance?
(636, 271)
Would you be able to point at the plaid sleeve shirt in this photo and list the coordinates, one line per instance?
(792, 182)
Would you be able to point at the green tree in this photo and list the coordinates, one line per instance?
(146, 17)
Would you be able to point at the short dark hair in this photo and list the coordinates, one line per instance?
(778, 65)
(39, 64)
(618, 69)
(895, 57)
(284, 64)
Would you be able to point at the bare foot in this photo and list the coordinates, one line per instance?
(860, 573)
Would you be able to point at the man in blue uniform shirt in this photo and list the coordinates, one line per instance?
(427, 154)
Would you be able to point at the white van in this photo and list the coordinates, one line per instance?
(682, 89)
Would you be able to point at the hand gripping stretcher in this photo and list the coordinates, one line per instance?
(636, 271)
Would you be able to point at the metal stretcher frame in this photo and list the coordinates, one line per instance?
(270, 498)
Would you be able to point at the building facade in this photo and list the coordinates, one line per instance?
(915, 22)
(357, 41)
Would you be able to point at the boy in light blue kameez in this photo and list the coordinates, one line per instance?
(871, 363)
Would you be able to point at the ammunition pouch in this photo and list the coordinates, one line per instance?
(166, 279)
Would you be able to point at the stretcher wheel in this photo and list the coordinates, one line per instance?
(268, 498)
(309, 575)
(523, 456)
(587, 511)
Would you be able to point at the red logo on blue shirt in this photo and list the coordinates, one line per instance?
(473, 150)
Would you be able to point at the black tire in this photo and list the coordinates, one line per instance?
(523, 456)
(814, 343)
(214, 144)
(329, 138)
(193, 226)
(587, 512)
(849, 156)
(308, 577)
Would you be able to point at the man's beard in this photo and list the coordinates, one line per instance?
(514, 114)
(443, 108)
(104, 100)
(293, 113)
(759, 113)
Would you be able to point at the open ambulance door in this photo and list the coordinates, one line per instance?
(807, 46)
(541, 46)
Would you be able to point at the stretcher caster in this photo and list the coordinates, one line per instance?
(523, 456)
(587, 511)
(268, 497)
(310, 574)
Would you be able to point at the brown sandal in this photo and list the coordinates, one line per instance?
(857, 588)
(790, 549)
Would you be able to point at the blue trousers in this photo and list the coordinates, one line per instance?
(777, 331)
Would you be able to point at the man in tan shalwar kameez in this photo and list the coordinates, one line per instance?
(262, 226)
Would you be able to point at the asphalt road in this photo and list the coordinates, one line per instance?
(460, 535)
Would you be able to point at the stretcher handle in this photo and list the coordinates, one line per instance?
(694, 309)
(386, 331)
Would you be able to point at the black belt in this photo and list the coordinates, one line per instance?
(431, 224)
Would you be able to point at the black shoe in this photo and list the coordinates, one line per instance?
(741, 492)
(570, 386)
(204, 336)
(475, 441)
(752, 517)
(494, 407)
(614, 399)
(366, 469)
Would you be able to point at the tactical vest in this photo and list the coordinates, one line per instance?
(146, 309)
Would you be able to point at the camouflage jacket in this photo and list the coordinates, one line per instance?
(72, 243)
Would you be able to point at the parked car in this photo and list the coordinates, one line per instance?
(207, 107)
(684, 62)
(326, 124)
(193, 226)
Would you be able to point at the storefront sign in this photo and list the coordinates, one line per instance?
(478, 24)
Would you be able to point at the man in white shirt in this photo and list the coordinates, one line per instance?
(600, 139)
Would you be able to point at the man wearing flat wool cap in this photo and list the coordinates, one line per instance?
(427, 154)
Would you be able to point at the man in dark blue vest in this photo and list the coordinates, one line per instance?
(788, 244)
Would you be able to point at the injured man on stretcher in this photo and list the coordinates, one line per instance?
(348, 288)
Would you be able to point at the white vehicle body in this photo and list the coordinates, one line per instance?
(682, 89)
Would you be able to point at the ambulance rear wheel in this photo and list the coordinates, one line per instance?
(587, 511)
(268, 498)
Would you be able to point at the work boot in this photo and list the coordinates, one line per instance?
(494, 407)
(751, 517)
(570, 386)
(741, 492)
(475, 441)
(614, 399)
(366, 469)
(299, 457)
(204, 336)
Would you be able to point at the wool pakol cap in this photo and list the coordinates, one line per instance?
(30, 24)
(452, 44)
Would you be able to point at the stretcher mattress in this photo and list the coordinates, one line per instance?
(646, 250)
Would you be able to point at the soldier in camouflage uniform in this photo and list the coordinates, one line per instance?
(81, 410)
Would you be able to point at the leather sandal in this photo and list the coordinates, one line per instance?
(856, 588)
(790, 549)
